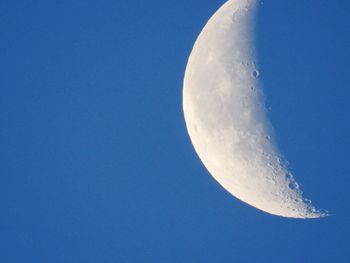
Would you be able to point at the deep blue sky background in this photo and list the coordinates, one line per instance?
(96, 163)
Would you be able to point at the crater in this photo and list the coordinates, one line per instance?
(255, 74)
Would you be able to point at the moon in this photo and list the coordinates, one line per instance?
(226, 119)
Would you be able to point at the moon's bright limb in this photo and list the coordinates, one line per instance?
(226, 118)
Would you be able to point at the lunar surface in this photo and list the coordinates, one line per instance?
(226, 118)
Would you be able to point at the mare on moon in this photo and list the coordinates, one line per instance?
(226, 118)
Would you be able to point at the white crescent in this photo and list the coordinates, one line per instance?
(226, 118)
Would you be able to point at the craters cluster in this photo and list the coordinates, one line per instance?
(238, 13)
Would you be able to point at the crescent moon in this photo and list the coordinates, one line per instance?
(226, 117)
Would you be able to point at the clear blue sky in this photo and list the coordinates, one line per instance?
(96, 163)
